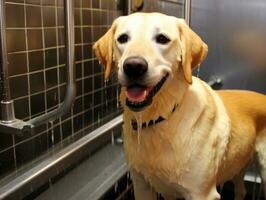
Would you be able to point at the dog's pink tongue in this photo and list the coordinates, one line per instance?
(137, 94)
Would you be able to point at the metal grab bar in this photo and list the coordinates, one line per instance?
(4, 76)
(9, 124)
(71, 83)
(7, 109)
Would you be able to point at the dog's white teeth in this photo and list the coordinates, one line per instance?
(135, 103)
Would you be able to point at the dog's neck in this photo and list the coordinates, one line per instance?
(168, 98)
(135, 125)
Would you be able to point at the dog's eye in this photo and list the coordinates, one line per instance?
(123, 38)
(162, 39)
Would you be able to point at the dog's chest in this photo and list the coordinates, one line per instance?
(163, 163)
(156, 161)
(173, 158)
(168, 189)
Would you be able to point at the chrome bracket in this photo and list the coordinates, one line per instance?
(9, 124)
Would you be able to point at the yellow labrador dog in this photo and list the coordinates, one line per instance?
(180, 136)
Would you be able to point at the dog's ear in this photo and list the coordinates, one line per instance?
(103, 49)
(193, 49)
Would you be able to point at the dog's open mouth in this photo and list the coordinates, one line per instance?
(139, 96)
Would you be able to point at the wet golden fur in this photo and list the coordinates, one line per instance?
(209, 138)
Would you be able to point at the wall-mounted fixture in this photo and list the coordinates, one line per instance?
(8, 122)
(215, 82)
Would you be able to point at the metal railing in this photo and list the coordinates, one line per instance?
(41, 173)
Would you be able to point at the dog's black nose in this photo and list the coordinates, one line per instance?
(135, 67)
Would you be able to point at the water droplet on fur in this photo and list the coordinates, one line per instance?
(138, 141)
(146, 124)
(139, 129)
(113, 57)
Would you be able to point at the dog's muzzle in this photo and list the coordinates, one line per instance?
(139, 96)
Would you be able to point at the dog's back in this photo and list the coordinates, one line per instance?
(245, 106)
(247, 111)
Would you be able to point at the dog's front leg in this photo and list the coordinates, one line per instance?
(240, 190)
(142, 189)
(211, 194)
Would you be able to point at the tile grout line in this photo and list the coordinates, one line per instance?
(64, 84)
(44, 49)
(52, 27)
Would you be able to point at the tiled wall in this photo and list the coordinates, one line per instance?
(170, 7)
(37, 72)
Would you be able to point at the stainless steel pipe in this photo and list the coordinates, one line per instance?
(71, 75)
(4, 66)
(9, 124)
(187, 11)
(7, 107)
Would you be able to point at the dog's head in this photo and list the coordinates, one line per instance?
(147, 50)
